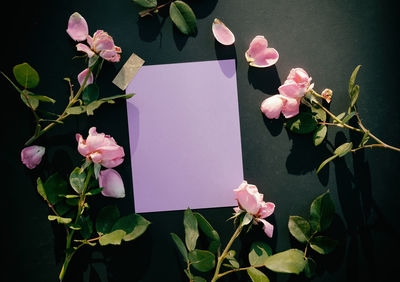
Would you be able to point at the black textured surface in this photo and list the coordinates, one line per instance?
(327, 38)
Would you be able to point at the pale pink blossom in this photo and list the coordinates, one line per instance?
(259, 55)
(82, 77)
(251, 201)
(111, 182)
(77, 27)
(222, 33)
(272, 106)
(101, 43)
(100, 148)
(296, 84)
(291, 106)
(32, 156)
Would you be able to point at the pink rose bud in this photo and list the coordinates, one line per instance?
(32, 156)
(77, 27)
(222, 33)
(100, 148)
(112, 183)
(250, 200)
(82, 77)
(272, 106)
(327, 95)
(258, 55)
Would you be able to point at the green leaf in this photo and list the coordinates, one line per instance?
(146, 3)
(181, 246)
(364, 139)
(90, 93)
(113, 238)
(77, 180)
(199, 279)
(340, 116)
(202, 260)
(259, 252)
(86, 225)
(256, 275)
(93, 106)
(96, 170)
(290, 261)
(26, 76)
(29, 100)
(134, 225)
(299, 228)
(126, 96)
(191, 230)
(77, 110)
(348, 117)
(232, 260)
(353, 79)
(322, 211)
(303, 123)
(310, 268)
(318, 112)
(92, 62)
(247, 219)
(42, 98)
(326, 161)
(319, 134)
(106, 219)
(209, 231)
(323, 244)
(183, 17)
(354, 95)
(94, 191)
(53, 187)
(40, 188)
(343, 149)
(62, 220)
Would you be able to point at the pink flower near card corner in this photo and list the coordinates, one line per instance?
(251, 201)
(101, 43)
(259, 55)
(100, 148)
(32, 156)
(112, 183)
(222, 33)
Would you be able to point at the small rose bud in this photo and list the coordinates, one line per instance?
(327, 95)
(32, 156)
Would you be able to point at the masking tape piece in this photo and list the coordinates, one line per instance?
(128, 71)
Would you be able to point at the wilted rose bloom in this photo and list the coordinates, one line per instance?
(100, 148)
(296, 84)
(251, 201)
(32, 156)
(101, 43)
(274, 105)
(327, 95)
(112, 183)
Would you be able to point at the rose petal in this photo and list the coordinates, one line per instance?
(268, 227)
(291, 107)
(84, 48)
(291, 89)
(77, 27)
(266, 209)
(272, 106)
(248, 198)
(222, 33)
(112, 183)
(82, 77)
(32, 156)
(258, 55)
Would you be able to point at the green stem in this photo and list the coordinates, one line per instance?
(225, 253)
(239, 269)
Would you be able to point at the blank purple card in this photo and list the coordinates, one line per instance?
(184, 136)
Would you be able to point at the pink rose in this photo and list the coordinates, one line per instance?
(100, 148)
(112, 183)
(296, 84)
(101, 43)
(274, 105)
(251, 201)
(259, 55)
(32, 156)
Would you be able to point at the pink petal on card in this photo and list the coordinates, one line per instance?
(222, 33)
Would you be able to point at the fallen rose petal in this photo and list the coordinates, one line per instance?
(32, 156)
(258, 55)
(77, 27)
(222, 33)
(112, 183)
(82, 76)
(272, 106)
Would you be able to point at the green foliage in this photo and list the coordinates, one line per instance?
(259, 252)
(303, 123)
(209, 231)
(202, 260)
(191, 230)
(290, 261)
(26, 75)
(323, 244)
(77, 180)
(299, 228)
(183, 17)
(113, 238)
(181, 246)
(133, 225)
(322, 211)
(343, 149)
(256, 275)
(90, 93)
(319, 134)
(146, 3)
(106, 219)
(310, 268)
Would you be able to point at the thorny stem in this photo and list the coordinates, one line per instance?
(148, 11)
(225, 253)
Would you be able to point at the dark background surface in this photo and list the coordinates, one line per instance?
(327, 38)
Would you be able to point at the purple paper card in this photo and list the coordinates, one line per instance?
(184, 136)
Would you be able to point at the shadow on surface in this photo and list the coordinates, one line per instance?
(264, 79)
